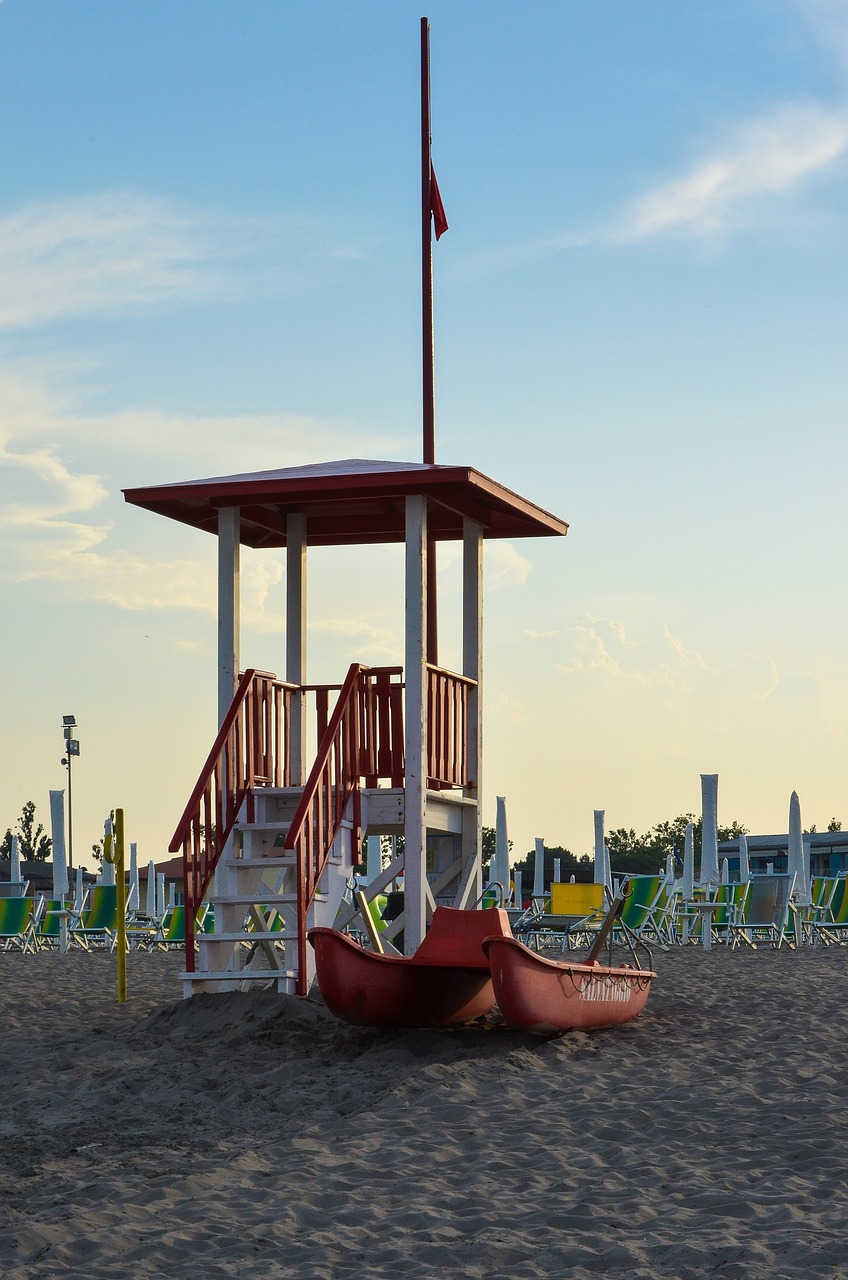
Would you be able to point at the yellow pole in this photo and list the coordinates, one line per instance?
(122, 906)
(113, 851)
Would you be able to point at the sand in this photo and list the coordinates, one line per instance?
(253, 1135)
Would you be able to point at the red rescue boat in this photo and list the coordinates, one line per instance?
(447, 981)
(545, 996)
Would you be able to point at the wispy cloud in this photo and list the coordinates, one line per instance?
(686, 657)
(122, 251)
(768, 157)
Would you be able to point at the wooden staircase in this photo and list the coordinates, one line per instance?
(273, 859)
(255, 902)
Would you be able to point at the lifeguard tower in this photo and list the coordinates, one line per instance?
(300, 773)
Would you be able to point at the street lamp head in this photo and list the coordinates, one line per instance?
(73, 747)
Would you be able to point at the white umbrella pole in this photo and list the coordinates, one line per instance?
(687, 884)
(600, 860)
(373, 861)
(502, 847)
(15, 864)
(150, 904)
(539, 869)
(557, 873)
(709, 828)
(132, 890)
(79, 890)
(796, 851)
(57, 827)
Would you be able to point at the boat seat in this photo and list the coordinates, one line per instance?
(455, 937)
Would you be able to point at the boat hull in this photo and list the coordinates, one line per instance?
(371, 990)
(546, 996)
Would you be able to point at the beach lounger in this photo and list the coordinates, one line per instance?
(648, 908)
(171, 932)
(765, 918)
(16, 930)
(831, 926)
(98, 925)
(571, 913)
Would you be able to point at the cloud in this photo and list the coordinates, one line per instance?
(768, 157)
(504, 566)
(687, 657)
(593, 656)
(124, 251)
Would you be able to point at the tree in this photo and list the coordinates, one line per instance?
(581, 868)
(645, 854)
(34, 843)
(489, 846)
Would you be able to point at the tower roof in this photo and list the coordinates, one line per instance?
(351, 502)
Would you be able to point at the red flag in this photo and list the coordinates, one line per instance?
(437, 209)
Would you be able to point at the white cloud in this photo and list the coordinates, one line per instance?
(591, 655)
(123, 250)
(687, 657)
(768, 157)
(504, 566)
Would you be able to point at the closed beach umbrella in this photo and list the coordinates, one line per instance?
(150, 905)
(57, 828)
(744, 863)
(160, 894)
(709, 828)
(373, 859)
(725, 871)
(687, 884)
(518, 891)
(669, 866)
(600, 857)
(15, 866)
(796, 851)
(133, 894)
(502, 847)
(539, 869)
(79, 890)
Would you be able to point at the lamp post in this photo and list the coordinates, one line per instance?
(71, 750)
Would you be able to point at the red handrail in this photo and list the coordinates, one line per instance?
(364, 739)
(251, 750)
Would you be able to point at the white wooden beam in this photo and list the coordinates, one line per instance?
(296, 639)
(472, 666)
(229, 606)
(415, 725)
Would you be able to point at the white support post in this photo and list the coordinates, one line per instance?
(472, 666)
(296, 640)
(228, 607)
(415, 727)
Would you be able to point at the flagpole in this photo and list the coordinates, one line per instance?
(429, 404)
(427, 340)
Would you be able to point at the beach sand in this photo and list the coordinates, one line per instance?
(253, 1135)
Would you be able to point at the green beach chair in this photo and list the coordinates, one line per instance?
(766, 914)
(647, 910)
(98, 925)
(16, 929)
(831, 927)
(730, 900)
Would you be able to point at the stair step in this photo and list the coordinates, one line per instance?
(240, 975)
(283, 860)
(267, 898)
(279, 827)
(257, 935)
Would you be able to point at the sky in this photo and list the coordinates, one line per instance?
(209, 264)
